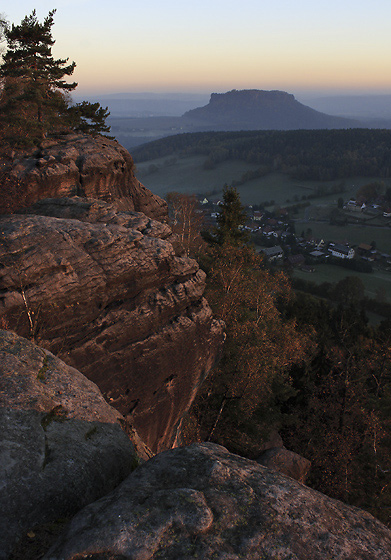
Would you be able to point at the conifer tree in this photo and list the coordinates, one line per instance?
(34, 94)
(231, 217)
(88, 117)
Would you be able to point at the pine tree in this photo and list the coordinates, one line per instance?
(232, 217)
(88, 117)
(34, 95)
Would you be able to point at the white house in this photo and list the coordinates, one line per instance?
(273, 253)
(342, 251)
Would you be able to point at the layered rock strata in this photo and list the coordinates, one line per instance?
(62, 445)
(84, 165)
(107, 294)
(202, 502)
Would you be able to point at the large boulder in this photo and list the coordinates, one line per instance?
(62, 445)
(286, 462)
(85, 165)
(202, 502)
(105, 291)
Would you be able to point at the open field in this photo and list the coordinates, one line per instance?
(187, 175)
(353, 234)
(372, 281)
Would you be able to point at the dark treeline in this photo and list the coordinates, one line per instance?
(303, 154)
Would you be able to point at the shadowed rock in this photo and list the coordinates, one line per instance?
(95, 211)
(202, 502)
(62, 445)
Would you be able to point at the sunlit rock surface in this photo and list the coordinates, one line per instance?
(85, 165)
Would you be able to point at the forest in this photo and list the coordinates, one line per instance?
(323, 155)
(307, 367)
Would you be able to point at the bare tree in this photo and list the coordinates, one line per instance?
(186, 221)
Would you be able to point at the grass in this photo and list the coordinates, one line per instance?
(187, 175)
(353, 234)
(374, 281)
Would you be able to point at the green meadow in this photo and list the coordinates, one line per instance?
(187, 175)
(353, 234)
(373, 281)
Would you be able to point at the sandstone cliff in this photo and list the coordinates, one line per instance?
(79, 164)
(62, 448)
(104, 291)
(103, 288)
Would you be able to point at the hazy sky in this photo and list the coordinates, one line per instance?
(219, 45)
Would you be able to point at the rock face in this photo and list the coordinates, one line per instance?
(106, 293)
(79, 164)
(62, 445)
(202, 502)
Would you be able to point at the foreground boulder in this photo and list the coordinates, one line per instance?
(62, 445)
(85, 165)
(202, 502)
(105, 291)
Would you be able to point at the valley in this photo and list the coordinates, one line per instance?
(312, 206)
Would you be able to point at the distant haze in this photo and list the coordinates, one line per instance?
(175, 104)
(148, 104)
(233, 110)
(354, 106)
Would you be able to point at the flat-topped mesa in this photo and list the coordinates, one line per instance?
(253, 109)
(84, 165)
(105, 292)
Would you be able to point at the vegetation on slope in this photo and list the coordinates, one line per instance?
(303, 154)
(312, 370)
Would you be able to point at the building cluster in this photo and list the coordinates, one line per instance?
(275, 236)
(379, 207)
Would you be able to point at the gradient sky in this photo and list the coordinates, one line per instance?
(218, 45)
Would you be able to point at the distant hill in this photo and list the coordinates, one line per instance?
(262, 110)
(231, 111)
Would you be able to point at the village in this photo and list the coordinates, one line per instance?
(287, 241)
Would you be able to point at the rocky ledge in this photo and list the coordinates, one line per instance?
(104, 291)
(89, 166)
(202, 502)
